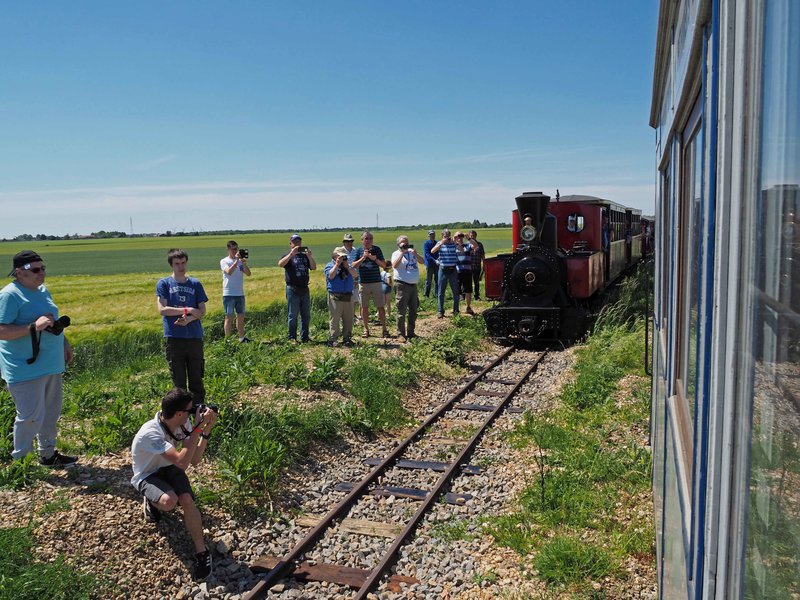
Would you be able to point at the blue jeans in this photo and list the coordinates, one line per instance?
(299, 304)
(448, 275)
(432, 273)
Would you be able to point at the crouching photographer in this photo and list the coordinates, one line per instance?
(159, 468)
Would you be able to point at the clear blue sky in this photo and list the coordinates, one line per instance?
(200, 115)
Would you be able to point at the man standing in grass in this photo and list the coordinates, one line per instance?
(234, 268)
(369, 262)
(181, 302)
(159, 468)
(33, 354)
(405, 262)
(296, 264)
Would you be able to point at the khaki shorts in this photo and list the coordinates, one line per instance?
(371, 291)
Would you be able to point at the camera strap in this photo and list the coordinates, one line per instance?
(36, 337)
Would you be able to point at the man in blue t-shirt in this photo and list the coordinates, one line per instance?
(33, 353)
(296, 264)
(181, 302)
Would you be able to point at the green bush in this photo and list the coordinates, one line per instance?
(18, 474)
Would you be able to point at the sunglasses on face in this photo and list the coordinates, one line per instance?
(34, 269)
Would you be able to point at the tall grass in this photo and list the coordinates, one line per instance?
(578, 518)
(22, 577)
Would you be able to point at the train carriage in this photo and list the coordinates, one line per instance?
(726, 369)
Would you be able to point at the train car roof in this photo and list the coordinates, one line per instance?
(595, 200)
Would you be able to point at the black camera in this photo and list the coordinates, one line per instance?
(244, 253)
(303, 249)
(202, 409)
(409, 246)
(57, 328)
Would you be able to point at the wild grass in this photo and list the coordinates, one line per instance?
(22, 577)
(578, 519)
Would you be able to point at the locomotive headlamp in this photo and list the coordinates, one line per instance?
(528, 233)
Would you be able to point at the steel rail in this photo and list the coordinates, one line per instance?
(285, 564)
(389, 556)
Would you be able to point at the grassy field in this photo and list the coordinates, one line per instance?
(110, 284)
(148, 255)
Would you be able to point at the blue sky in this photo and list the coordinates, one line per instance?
(199, 116)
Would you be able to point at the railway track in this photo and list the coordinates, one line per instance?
(491, 389)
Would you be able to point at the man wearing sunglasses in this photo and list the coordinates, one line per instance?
(27, 316)
(159, 468)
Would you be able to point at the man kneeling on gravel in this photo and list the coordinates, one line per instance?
(159, 468)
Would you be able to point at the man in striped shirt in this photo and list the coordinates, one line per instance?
(447, 270)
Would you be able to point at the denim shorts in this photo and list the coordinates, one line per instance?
(233, 303)
(165, 480)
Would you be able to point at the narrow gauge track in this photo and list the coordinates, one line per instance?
(290, 565)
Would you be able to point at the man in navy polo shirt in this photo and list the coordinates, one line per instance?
(182, 303)
(296, 264)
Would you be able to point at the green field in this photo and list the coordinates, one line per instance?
(105, 284)
(148, 255)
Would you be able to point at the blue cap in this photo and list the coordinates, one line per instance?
(295, 237)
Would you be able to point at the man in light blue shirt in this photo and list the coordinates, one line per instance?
(33, 354)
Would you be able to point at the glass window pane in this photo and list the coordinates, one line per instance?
(772, 561)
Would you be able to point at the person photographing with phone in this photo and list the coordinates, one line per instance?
(181, 302)
(159, 467)
(296, 264)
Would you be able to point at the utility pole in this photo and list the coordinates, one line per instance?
(376, 220)
(131, 220)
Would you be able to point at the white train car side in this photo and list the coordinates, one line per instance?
(726, 347)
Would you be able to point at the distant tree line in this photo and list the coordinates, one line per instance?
(475, 224)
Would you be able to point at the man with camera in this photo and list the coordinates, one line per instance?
(369, 262)
(448, 276)
(405, 262)
(234, 268)
(34, 353)
(159, 468)
(296, 264)
(181, 302)
(339, 279)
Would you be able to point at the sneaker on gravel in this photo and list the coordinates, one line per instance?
(201, 568)
(151, 513)
(58, 460)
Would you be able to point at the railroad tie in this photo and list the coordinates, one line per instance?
(315, 571)
(385, 491)
(439, 467)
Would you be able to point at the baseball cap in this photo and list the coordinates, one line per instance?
(295, 237)
(23, 258)
(431, 232)
(340, 251)
(347, 238)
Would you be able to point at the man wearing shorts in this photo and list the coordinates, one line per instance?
(159, 468)
(234, 268)
(369, 262)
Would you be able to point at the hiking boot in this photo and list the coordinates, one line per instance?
(151, 513)
(470, 311)
(441, 316)
(58, 460)
(201, 568)
(245, 340)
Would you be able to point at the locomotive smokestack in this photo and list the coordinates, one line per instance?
(533, 205)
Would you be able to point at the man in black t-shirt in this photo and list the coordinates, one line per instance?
(296, 264)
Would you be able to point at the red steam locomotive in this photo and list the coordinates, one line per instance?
(565, 253)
